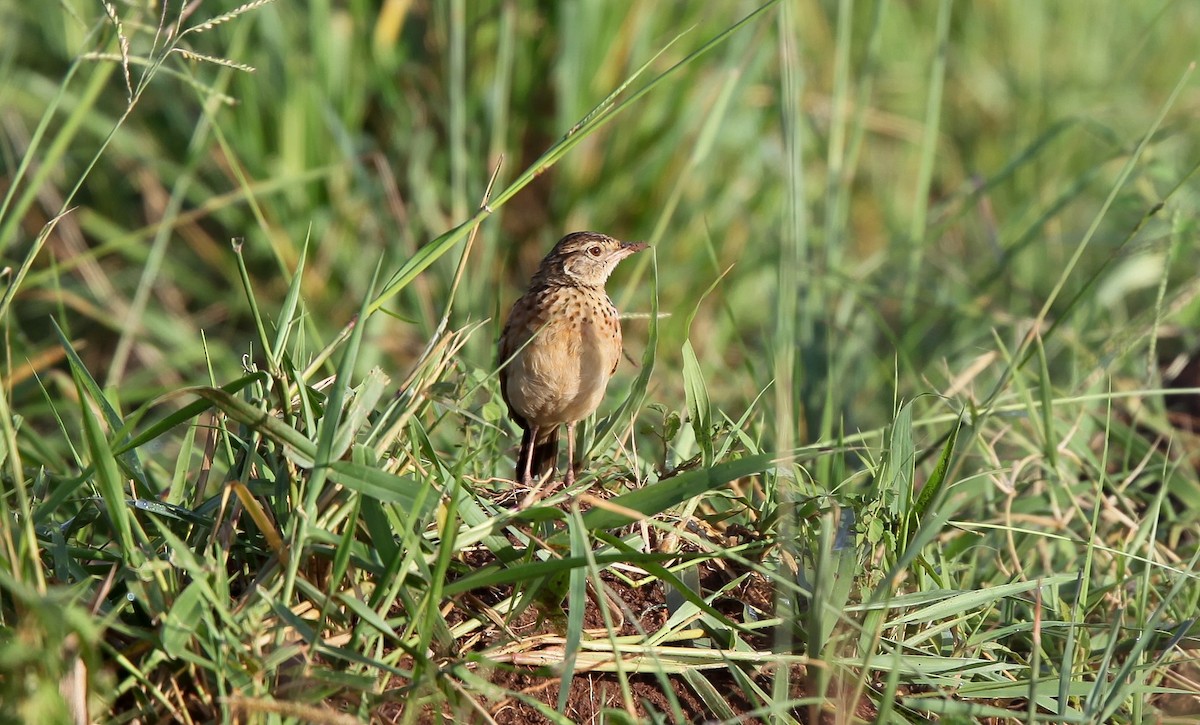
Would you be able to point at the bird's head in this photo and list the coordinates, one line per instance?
(586, 258)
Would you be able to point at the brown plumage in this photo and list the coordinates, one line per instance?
(560, 346)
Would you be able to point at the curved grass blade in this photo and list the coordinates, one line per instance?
(497, 575)
(187, 412)
(937, 480)
(698, 405)
(659, 497)
(295, 444)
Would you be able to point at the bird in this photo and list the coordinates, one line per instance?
(559, 348)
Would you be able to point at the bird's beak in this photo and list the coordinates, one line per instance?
(630, 248)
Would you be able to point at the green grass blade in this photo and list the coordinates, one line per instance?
(937, 480)
(699, 408)
(128, 458)
(659, 497)
(108, 475)
(577, 601)
(382, 486)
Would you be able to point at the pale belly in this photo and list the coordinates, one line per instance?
(561, 375)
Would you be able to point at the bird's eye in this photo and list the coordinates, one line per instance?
(594, 251)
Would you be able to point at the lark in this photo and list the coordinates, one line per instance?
(560, 346)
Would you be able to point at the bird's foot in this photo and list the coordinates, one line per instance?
(539, 488)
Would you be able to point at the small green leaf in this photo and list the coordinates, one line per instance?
(672, 422)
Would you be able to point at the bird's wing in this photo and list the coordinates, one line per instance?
(520, 326)
(618, 347)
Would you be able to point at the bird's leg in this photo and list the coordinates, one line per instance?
(535, 493)
(528, 442)
(569, 476)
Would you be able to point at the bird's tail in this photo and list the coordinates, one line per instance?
(545, 453)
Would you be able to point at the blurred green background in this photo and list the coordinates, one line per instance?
(926, 201)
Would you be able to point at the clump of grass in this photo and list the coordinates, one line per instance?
(900, 444)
